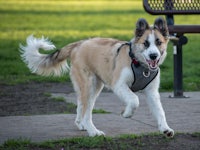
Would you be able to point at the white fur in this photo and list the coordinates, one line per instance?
(41, 63)
(153, 100)
(122, 90)
(152, 49)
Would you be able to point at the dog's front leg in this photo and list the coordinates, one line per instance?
(122, 90)
(153, 100)
(129, 98)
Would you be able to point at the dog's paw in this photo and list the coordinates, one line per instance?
(169, 133)
(126, 114)
(96, 133)
(80, 126)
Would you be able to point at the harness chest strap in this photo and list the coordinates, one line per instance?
(142, 75)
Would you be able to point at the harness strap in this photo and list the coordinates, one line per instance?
(127, 43)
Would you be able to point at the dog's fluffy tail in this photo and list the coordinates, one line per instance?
(45, 64)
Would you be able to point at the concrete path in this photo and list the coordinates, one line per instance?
(183, 115)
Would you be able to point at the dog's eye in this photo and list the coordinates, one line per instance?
(158, 42)
(146, 44)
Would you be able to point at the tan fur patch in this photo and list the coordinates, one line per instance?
(144, 36)
(163, 40)
(107, 41)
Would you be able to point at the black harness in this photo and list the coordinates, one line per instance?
(142, 75)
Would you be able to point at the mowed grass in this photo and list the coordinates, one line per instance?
(68, 21)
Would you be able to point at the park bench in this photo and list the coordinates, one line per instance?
(169, 8)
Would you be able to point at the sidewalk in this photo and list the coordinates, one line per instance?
(183, 115)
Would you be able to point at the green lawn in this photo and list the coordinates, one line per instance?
(67, 21)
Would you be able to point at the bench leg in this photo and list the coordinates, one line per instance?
(178, 73)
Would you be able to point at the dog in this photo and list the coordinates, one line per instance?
(124, 67)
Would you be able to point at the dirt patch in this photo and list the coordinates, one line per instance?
(33, 99)
(159, 142)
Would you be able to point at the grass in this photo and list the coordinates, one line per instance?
(59, 99)
(67, 21)
(123, 142)
(99, 111)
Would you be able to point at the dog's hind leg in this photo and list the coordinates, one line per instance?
(95, 87)
(76, 80)
(88, 88)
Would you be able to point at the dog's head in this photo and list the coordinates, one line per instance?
(150, 43)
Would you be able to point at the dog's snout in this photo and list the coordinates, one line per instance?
(153, 56)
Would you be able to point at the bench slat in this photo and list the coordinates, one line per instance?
(184, 29)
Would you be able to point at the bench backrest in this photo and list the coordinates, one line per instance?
(167, 7)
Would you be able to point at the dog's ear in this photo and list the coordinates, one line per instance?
(141, 26)
(161, 25)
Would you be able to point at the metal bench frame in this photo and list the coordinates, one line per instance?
(170, 8)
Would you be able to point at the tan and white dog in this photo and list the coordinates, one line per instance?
(99, 62)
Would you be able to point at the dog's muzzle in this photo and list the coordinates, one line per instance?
(153, 61)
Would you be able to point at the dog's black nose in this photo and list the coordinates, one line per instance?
(153, 56)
